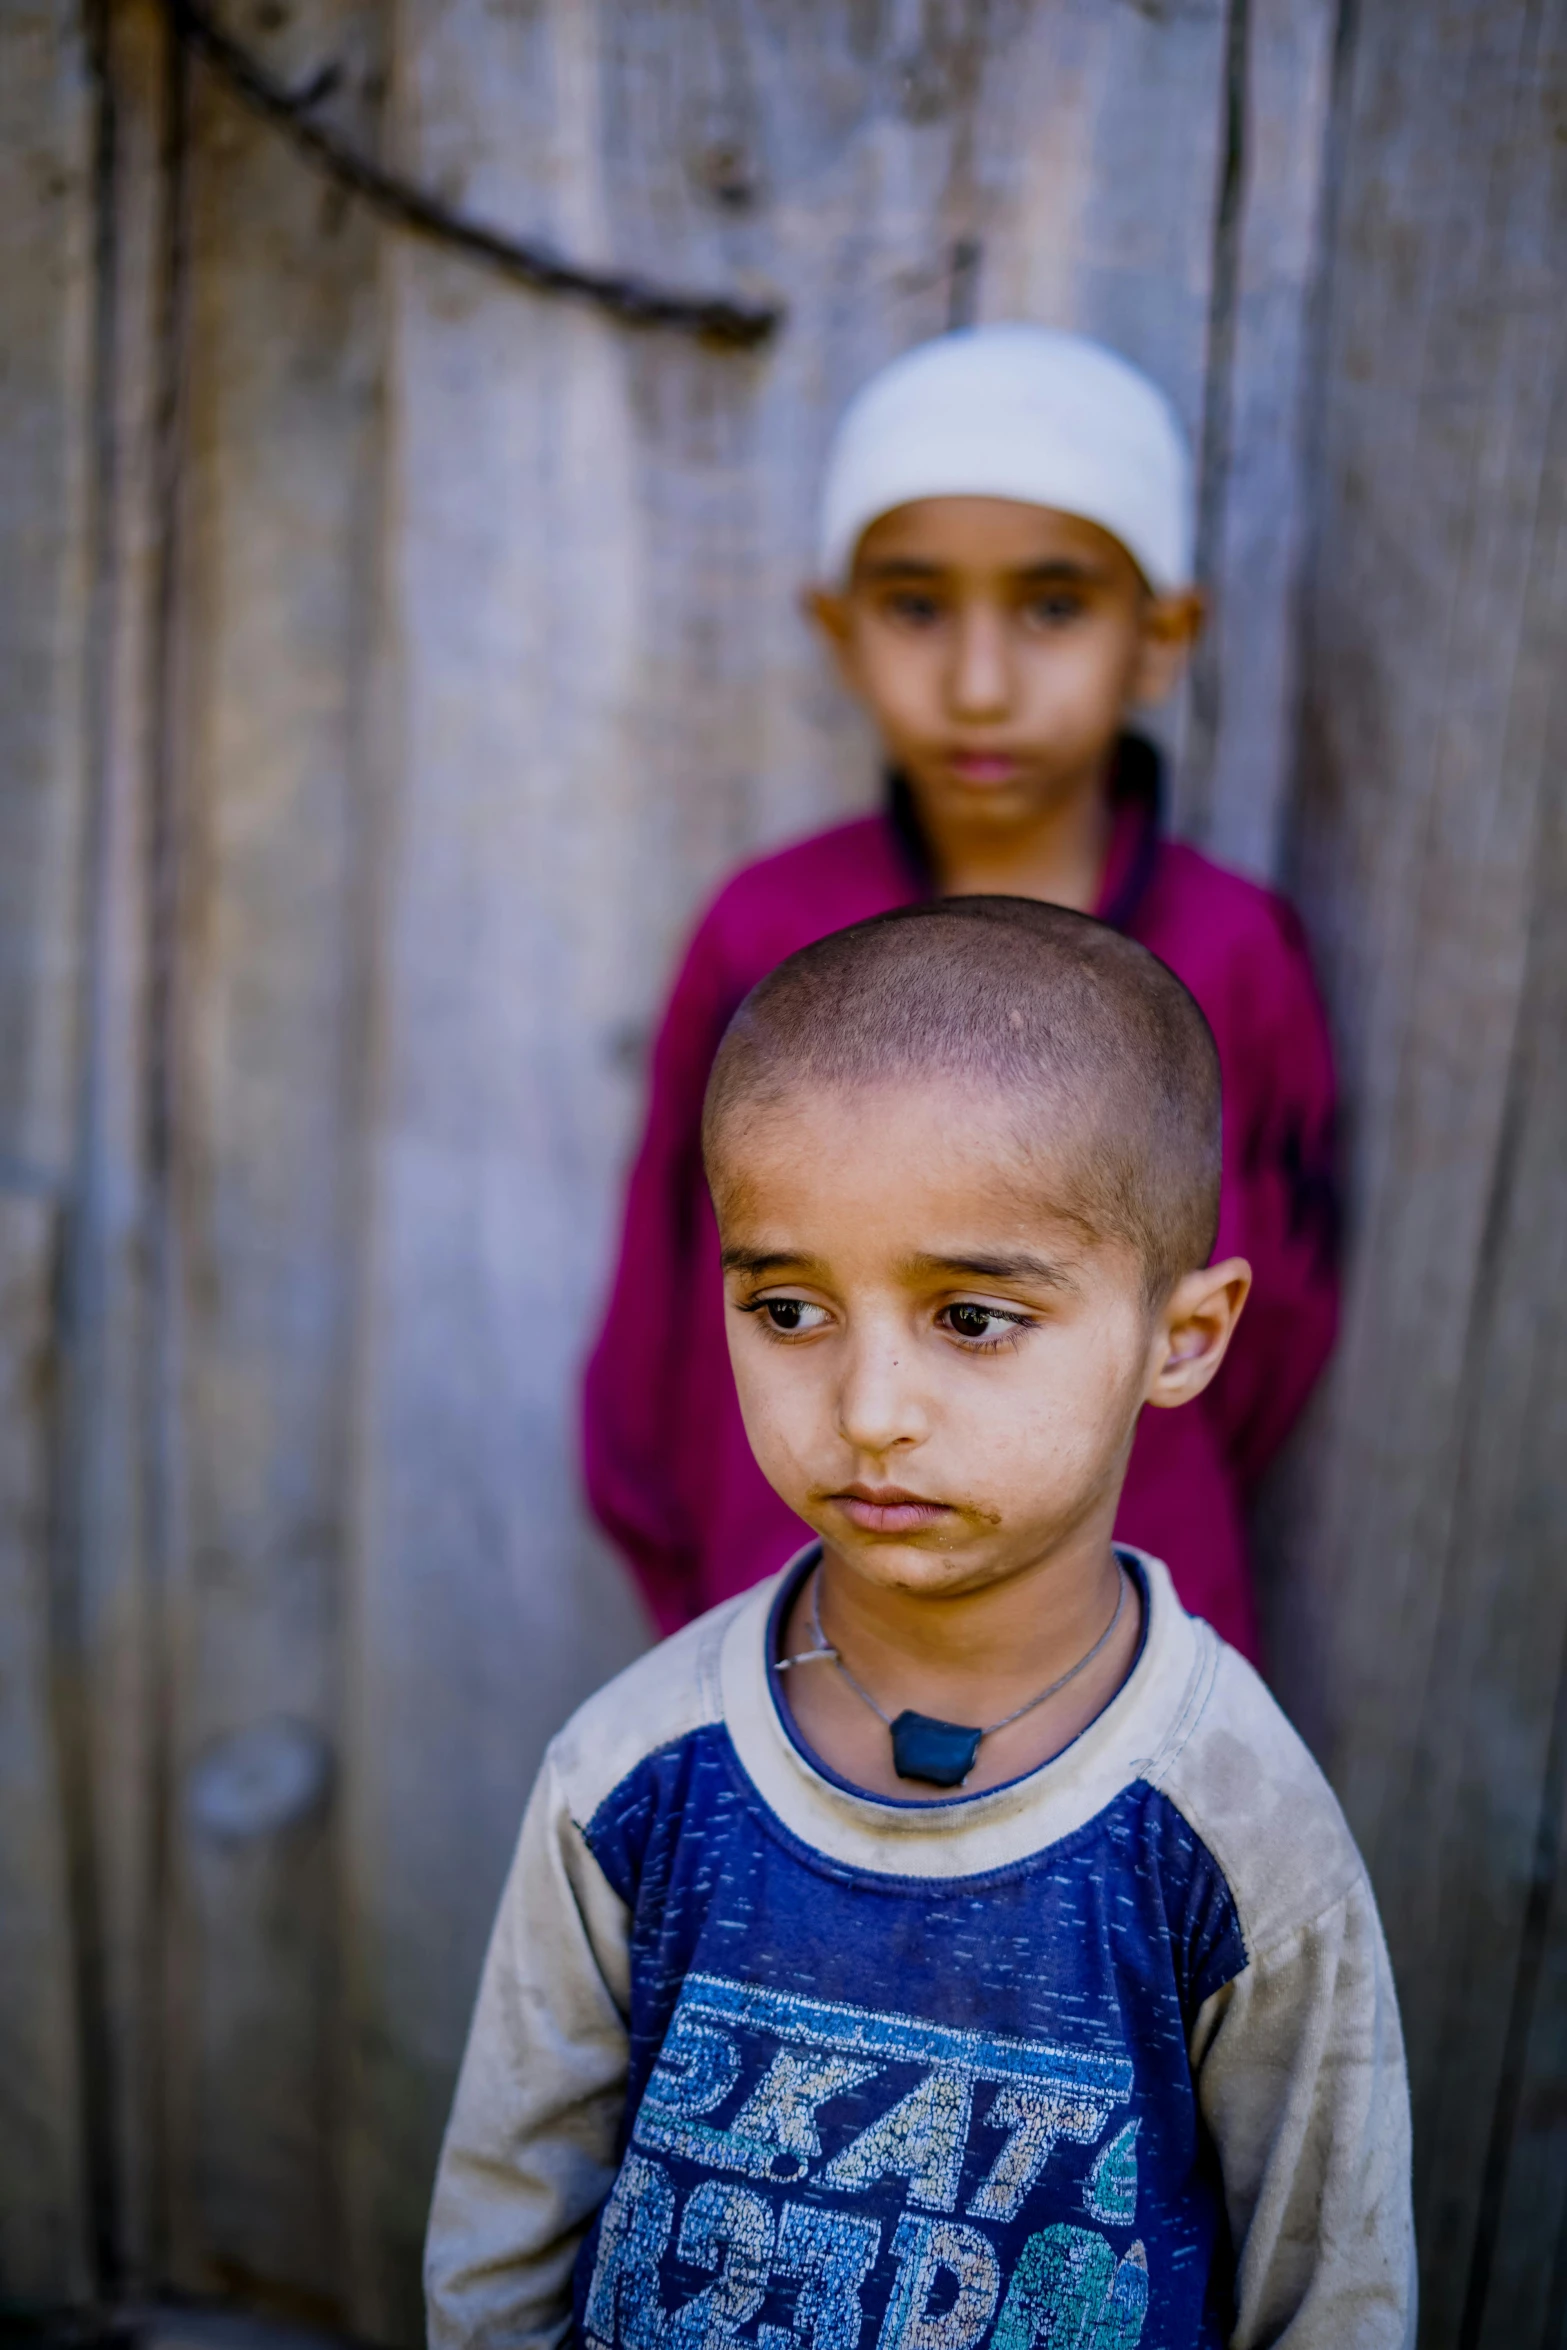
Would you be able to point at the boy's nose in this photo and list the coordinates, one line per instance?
(981, 681)
(879, 1406)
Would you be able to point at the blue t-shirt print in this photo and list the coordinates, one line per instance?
(1066, 2285)
(870, 2112)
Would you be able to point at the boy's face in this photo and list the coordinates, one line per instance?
(998, 646)
(938, 1371)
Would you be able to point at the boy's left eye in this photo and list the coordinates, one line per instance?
(1054, 611)
(979, 1324)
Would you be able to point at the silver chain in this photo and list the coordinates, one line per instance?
(825, 1653)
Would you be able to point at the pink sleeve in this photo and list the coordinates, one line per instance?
(1280, 1170)
(631, 1446)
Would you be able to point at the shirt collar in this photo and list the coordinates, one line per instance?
(977, 1834)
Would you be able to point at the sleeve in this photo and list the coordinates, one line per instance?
(1284, 1168)
(529, 2153)
(631, 1447)
(1299, 2065)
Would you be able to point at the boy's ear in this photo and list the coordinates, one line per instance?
(1171, 626)
(1193, 1331)
(828, 611)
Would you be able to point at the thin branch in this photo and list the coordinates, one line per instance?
(712, 317)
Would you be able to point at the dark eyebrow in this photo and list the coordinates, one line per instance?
(1070, 568)
(1066, 567)
(903, 567)
(761, 1260)
(1021, 1267)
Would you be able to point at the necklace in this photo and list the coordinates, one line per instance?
(940, 1754)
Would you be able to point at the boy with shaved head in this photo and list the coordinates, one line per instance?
(947, 1944)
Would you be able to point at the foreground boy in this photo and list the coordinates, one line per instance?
(948, 1943)
(1005, 570)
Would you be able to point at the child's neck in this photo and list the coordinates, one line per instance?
(1056, 853)
(971, 1658)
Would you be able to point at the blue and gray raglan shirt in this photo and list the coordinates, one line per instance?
(1105, 2057)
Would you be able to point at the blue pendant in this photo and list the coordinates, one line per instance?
(940, 1753)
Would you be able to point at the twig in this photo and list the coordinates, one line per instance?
(712, 317)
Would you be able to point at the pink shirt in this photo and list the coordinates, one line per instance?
(669, 1472)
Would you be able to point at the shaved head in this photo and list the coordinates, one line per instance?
(1103, 1064)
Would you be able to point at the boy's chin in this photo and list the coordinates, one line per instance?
(1025, 795)
(924, 1568)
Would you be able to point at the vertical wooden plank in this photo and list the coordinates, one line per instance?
(45, 2221)
(1522, 2294)
(278, 440)
(1235, 786)
(46, 249)
(1503, 1663)
(106, 1331)
(1427, 1618)
(1104, 180)
(512, 675)
(1108, 167)
(1498, 1659)
(46, 147)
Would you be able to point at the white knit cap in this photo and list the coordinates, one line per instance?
(1021, 412)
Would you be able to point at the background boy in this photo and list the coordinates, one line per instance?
(950, 1943)
(1005, 555)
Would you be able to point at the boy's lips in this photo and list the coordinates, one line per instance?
(983, 766)
(887, 1509)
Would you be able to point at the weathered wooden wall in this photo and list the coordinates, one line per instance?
(393, 659)
(1428, 1606)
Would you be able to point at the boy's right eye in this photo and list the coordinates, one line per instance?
(789, 1316)
(913, 609)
